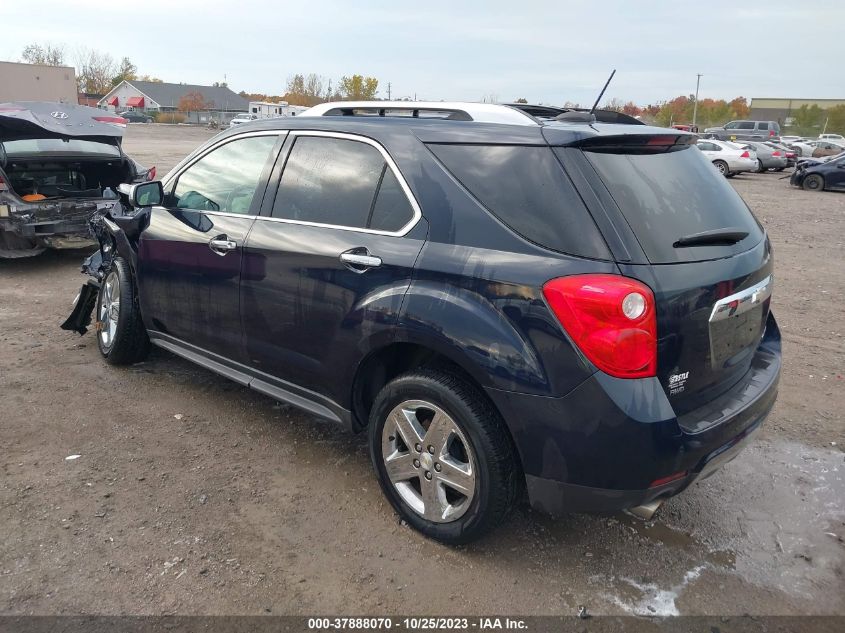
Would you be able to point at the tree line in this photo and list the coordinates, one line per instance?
(311, 89)
(96, 72)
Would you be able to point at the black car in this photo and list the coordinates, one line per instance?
(820, 174)
(575, 308)
(59, 165)
(134, 116)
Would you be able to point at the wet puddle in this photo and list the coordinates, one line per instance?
(774, 517)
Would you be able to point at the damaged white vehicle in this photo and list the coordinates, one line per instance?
(59, 164)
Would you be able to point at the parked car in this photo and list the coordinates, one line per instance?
(449, 278)
(790, 154)
(791, 139)
(745, 131)
(242, 118)
(134, 116)
(767, 157)
(828, 173)
(836, 138)
(729, 158)
(817, 148)
(59, 164)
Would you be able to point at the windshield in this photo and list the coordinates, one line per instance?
(668, 196)
(56, 146)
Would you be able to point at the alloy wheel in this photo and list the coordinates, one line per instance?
(429, 461)
(109, 309)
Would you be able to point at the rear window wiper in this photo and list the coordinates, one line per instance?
(715, 237)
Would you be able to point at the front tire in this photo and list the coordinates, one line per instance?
(121, 336)
(813, 182)
(443, 456)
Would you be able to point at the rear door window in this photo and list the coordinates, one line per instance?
(667, 196)
(341, 182)
(527, 189)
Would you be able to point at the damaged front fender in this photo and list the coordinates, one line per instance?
(118, 236)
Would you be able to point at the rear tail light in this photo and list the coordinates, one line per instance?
(114, 120)
(745, 154)
(775, 153)
(771, 132)
(3, 185)
(151, 174)
(610, 318)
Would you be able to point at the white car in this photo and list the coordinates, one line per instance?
(242, 118)
(818, 148)
(729, 158)
(836, 138)
(789, 140)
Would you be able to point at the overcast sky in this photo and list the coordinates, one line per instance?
(548, 52)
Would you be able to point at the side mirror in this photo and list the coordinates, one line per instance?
(143, 194)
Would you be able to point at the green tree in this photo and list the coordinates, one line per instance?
(358, 88)
(48, 54)
(808, 117)
(836, 120)
(126, 72)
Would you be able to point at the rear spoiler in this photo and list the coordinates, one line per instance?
(665, 141)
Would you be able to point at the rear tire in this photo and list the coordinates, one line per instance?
(443, 456)
(813, 182)
(722, 166)
(121, 336)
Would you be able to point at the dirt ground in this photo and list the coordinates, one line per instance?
(193, 495)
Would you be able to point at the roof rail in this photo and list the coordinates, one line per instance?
(453, 110)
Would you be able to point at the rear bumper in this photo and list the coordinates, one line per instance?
(605, 446)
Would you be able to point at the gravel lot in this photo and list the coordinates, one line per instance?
(193, 495)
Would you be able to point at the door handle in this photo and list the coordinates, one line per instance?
(359, 261)
(222, 245)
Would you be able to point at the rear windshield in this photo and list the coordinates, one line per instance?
(527, 189)
(667, 196)
(57, 146)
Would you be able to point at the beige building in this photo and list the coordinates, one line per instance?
(782, 109)
(34, 82)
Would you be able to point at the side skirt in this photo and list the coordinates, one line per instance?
(299, 397)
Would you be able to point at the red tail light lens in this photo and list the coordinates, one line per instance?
(771, 132)
(745, 154)
(114, 120)
(151, 174)
(775, 153)
(610, 318)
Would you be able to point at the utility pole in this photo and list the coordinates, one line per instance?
(388, 91)
(695, 105)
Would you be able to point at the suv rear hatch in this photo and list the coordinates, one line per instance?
(675, 224)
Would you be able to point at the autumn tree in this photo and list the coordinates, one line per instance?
(521, 100)
(740, 108)
(632, 109)
(126, 72)
(358, 88)
(149, 78)
(194, 102)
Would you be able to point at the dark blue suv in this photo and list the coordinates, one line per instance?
(573, 308)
